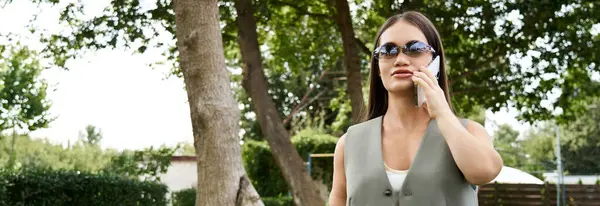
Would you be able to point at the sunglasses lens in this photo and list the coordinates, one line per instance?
(388, 51)
(416, 48)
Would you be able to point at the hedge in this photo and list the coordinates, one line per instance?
(187, 197)
(278, 201)
(61, 187)
(266, 176)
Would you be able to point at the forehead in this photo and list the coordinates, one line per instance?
(402, 32)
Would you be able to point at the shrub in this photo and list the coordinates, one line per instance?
(278, 201)
(313, 141)
(185, 197)
(262, 170)
(63, 187)
(266, 176)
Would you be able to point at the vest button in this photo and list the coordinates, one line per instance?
(387, 192)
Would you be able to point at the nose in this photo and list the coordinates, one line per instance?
(401, 60)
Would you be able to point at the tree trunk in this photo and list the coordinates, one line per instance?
(222, 179)
(304, 191)
(351, 58)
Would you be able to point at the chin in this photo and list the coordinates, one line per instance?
(400, 86)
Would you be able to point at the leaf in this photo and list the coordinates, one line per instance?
(141, 49)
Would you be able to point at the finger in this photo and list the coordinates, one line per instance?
(429, 74)
(421, 82)
(425, 78)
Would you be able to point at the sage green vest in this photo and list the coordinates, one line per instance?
(433, 178)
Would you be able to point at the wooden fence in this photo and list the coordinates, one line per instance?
(532, 194)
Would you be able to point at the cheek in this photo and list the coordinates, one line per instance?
(421, 61)
(384, 74)
(385, 68)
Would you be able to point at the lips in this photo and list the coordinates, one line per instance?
(402, 73)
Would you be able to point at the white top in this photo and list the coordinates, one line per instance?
(396, 177)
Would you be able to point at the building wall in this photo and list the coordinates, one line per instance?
(180, 175)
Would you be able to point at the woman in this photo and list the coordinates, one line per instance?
(403, 154)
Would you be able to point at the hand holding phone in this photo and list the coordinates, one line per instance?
(434, 68)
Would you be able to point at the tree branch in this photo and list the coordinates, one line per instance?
(302, 106)
(303, 101)
(296, 108)
(362, 46)
(300, 9)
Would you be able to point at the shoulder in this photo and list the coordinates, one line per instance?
(476, 129)
(362, 129)
(339, 146)
(339, 154)
(341, 140)
(367, 124)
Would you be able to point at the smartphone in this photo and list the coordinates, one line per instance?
(434, 68)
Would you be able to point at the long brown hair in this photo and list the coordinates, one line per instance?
(378, 95)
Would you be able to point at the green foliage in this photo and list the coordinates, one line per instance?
(23, 103)
(343, 117)
(186, 149)
(278, 201)
(91, 135)
(536, 152)
(540, 146)
(61, 187)
(186, 197)
(301, 72)
(266, 176)
(261, 169)
(81, 156)
(35, 153)
(579, 149)
(148, 163)
(506, 143)
(317, 142)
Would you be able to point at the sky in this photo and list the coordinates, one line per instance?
(134, 105)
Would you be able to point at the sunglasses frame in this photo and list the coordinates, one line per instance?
(404, 49)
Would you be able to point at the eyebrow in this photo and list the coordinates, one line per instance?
(389, 42)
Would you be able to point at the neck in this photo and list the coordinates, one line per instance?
(402, 112)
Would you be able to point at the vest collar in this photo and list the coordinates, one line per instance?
(378, 123)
